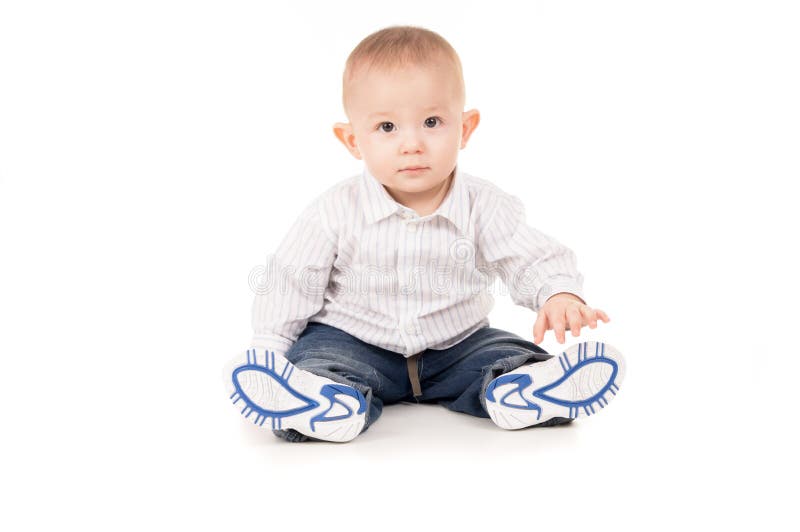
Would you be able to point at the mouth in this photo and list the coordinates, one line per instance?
(413, 168)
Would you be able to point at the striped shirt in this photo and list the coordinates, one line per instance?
(358, 260)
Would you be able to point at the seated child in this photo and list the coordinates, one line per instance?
(379, 293)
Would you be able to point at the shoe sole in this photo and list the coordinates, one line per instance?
(570, 385)
(272, 388)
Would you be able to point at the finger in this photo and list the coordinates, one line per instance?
(557, 321)
(603, 316)
(539, 328)
(588, 314)
(575, 321)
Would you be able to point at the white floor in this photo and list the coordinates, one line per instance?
(639, 463)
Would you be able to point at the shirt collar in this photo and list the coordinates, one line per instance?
(378, 204)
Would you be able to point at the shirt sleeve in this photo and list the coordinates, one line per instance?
(293, 286)
(534, 266)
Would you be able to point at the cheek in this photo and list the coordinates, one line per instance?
(370, 148)
(380, 150)
(376, 145)
(447, 142)
(449, 134)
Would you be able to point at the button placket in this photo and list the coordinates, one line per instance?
(408, 325)
(411, 228)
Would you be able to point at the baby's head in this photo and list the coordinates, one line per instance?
(403, 93)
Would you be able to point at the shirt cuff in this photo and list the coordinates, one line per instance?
(553, 286)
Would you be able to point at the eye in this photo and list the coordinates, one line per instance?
(433, 119)
(383, 125)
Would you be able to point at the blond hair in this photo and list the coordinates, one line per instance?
(397, 47)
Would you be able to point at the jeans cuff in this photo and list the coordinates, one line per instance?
(290, 435)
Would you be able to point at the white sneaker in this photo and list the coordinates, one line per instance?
(267, 386)
(570, 385)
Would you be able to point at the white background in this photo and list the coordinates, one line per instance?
(153, 153)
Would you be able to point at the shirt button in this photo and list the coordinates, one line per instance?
(411, 329)
(411, 227)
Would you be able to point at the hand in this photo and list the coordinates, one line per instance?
(564, 309)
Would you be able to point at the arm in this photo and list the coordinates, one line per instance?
(535, 267)
(295, 280)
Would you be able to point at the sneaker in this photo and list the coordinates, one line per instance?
(578, 382)
(269, 387)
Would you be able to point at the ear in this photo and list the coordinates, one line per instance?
(469, 121)
(344, 132)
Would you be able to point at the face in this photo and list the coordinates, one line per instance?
(405, 119)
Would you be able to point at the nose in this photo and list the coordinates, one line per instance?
(411, 143)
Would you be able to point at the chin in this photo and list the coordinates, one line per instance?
(416, 186)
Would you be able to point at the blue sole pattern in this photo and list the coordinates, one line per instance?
(578, 382)
(266, 390)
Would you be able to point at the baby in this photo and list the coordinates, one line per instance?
(379, 292)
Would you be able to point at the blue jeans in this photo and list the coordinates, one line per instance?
(455, 378)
